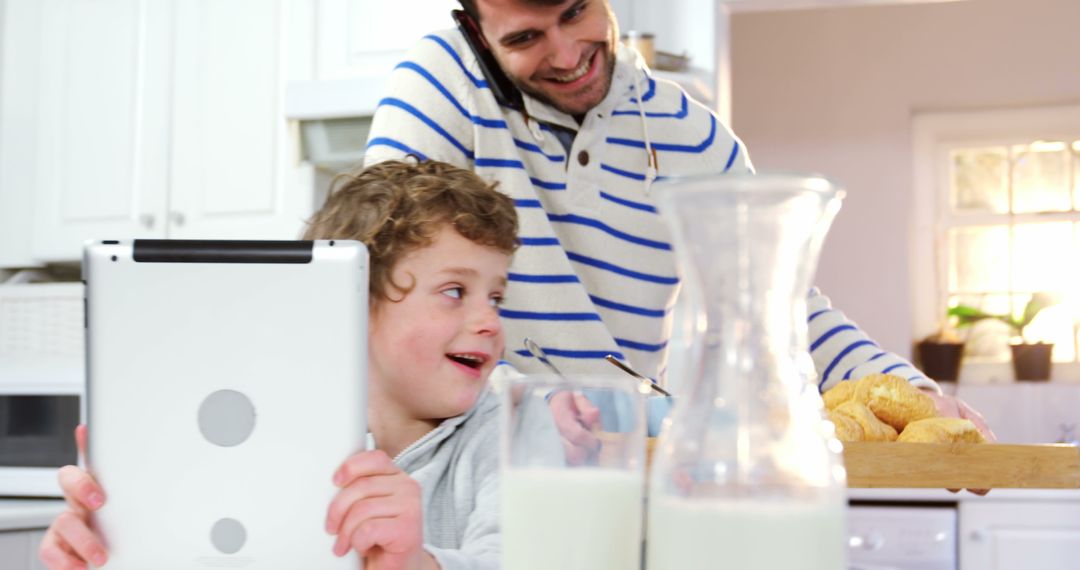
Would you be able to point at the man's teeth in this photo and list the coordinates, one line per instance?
(577, 74)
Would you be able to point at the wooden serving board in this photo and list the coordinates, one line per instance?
(961, 465)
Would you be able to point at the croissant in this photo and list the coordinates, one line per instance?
(847, 429)
(839, 394)
(941, 430)
(894, 400)
(873, 428)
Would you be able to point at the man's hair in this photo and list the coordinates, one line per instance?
(472, 10)
(397, 207)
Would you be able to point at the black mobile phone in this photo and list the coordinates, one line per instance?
(506, 93)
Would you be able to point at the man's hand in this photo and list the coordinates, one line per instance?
(576, 416)
(378, 513)
(953, 407)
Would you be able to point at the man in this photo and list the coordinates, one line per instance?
(595, 274)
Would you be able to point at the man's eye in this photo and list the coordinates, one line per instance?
(572, 14)
(520, 39)
(455, 292)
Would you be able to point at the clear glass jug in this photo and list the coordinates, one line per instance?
(745, 474)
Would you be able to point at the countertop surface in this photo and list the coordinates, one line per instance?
(943, 496)
(28, 514)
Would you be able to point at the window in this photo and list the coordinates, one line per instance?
(998, 220)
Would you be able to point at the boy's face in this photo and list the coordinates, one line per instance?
(432, 351)
(563, 55)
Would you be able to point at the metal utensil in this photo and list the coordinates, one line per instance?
(537, 352)
(644, 380)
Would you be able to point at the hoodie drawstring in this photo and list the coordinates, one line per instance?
(653, 166)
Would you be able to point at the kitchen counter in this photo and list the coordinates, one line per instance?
(943, 496)
(28, 514)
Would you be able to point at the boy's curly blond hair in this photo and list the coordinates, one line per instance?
(396, 207)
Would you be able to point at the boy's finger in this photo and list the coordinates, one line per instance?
(361, 489)
(74, 532)
(80, 439)
(588, 412)
(82, 493)
(55, 557)
(574, 455)
(578, 435)
(374, 532)
(364, 464)
(362, 511)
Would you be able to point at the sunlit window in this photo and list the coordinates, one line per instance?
(1011, 228)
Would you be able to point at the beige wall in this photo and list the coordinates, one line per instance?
(834, 91)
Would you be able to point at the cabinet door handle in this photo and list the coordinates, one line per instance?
(147, 220)
(177, 218)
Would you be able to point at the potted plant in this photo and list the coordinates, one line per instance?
(939, 355)
(1031, 360)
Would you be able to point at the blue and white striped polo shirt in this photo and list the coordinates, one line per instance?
(595, 274)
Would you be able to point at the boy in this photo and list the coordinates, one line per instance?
(426, 497)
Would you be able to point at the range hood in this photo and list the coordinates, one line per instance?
(334, 118)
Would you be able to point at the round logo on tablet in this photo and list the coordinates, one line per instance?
(226, 418)
(228, 536)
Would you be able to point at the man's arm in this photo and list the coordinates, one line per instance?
(427, 107)
(842, 351)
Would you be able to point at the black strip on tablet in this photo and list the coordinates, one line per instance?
(222, 251)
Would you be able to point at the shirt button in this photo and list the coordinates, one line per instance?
(583, 158)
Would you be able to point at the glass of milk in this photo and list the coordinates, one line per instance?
(572, 472)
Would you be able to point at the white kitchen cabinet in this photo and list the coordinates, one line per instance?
(1012, 535)
(102, 123)
(18, 550)
(18, 26)
(164, 118)
(234, 169)
(367, 38)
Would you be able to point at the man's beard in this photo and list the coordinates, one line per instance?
(604, 83)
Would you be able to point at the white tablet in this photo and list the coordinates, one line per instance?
(226, 382)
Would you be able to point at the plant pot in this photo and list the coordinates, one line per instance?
(940, 360)
(1032, 361)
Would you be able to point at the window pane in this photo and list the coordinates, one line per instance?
(1040, 178)
(978, 259)
(1042, 258)
(980, 179)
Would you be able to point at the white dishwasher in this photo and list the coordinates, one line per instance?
(902, 537)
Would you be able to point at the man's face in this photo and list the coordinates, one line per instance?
(563, 55)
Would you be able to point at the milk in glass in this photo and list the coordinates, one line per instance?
(571, 519)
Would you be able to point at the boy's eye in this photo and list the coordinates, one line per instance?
(455, 292)
(496, 300)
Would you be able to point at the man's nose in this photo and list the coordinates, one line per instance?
(565, 50)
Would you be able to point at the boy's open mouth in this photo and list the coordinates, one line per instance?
(471, 360)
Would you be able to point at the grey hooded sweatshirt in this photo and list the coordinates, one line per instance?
(457, 466)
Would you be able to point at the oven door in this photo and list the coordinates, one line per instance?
(891, 537)
(36, 438)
